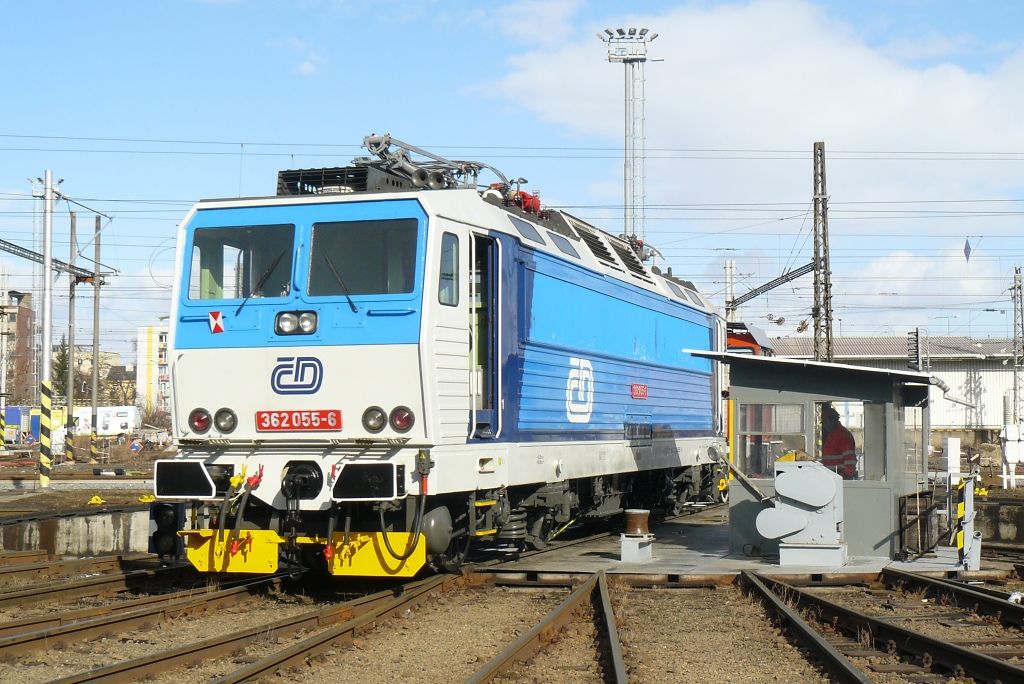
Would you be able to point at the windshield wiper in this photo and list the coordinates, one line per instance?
(262, 281)
(344, 287)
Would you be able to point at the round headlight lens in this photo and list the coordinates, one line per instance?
(199, 420)
(307, 322)
(287, 323)
(374, 419)
(225, 420)
(402, 419)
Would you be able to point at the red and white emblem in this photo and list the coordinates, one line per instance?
(216, 322)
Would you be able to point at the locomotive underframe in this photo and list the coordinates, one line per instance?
(241, 529)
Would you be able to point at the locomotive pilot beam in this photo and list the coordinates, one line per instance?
(387, 363)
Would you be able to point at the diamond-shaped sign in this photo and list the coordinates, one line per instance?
(967, 249)
(216, 322)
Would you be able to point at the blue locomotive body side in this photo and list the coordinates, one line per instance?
(629, 341)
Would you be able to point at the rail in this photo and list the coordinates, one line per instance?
(949, 656)
(982, 602)
(39, 633)
(545, 631)
(354, 614)
(90, 586)
(73, 566)
(835, 662)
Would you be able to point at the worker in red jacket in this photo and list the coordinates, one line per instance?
(838, 449)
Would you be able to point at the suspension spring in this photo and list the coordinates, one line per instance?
(515, 528)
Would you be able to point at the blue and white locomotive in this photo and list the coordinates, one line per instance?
(382, 365)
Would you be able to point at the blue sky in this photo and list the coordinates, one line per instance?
(142, 108)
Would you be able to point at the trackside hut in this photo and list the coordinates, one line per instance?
(776, 415)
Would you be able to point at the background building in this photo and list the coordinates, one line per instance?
(152, 374)
(19, 359)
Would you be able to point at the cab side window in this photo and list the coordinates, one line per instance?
(448, 283)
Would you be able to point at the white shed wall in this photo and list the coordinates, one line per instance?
(981, 382)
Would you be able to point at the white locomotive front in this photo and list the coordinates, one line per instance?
(381, 365)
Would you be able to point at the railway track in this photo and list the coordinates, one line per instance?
(595, 590)
(255, 648)
(856, 644)
(343, 619)
(298, 640)
(328, 624)
(106, 584)
(39, 633)
(71, 567)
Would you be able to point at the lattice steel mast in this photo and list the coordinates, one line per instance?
(822, 310)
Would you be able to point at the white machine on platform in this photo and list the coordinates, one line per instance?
(808, 515)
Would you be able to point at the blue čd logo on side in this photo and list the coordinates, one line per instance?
(297, 375)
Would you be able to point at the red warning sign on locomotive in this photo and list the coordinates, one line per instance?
(638, 391)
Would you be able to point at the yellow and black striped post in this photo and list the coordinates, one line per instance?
(69, 437)
(960, 514)
(3, 425)
(45, 459)
(94, 451)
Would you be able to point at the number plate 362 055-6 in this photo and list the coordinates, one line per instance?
(319, 420)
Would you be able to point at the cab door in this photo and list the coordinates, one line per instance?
(484, 318)
(449, 298)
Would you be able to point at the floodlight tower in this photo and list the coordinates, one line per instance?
(629, 46)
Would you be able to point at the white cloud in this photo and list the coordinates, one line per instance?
(539, 22)
(311, 59)
(932, 45)
(778, 75)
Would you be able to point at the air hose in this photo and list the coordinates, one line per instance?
(223, 519)
(241, 509)
(348, 523)
(416, 529)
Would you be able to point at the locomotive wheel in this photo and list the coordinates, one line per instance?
(454, 556)
(540, 532)
(679, 505)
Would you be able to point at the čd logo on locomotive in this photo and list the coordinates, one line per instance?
(579, 391)
(297, 375)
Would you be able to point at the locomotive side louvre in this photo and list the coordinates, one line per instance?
(537, 375)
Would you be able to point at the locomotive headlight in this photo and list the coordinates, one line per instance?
(199, 420)
(402, 419)
(287, 323)
(307, 322)
(225, 420)
(374, 419)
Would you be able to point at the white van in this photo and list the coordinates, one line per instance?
(111, 421)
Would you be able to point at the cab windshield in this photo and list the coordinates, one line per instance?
(240, 262)
(363, 257)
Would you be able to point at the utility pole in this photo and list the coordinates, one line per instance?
(69, 409)
(93, 446)
(46, 386)
(3, 361)
(1018, 342)
(629, 47)
(822, 309)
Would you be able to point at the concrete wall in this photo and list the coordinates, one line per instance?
(92, 535)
